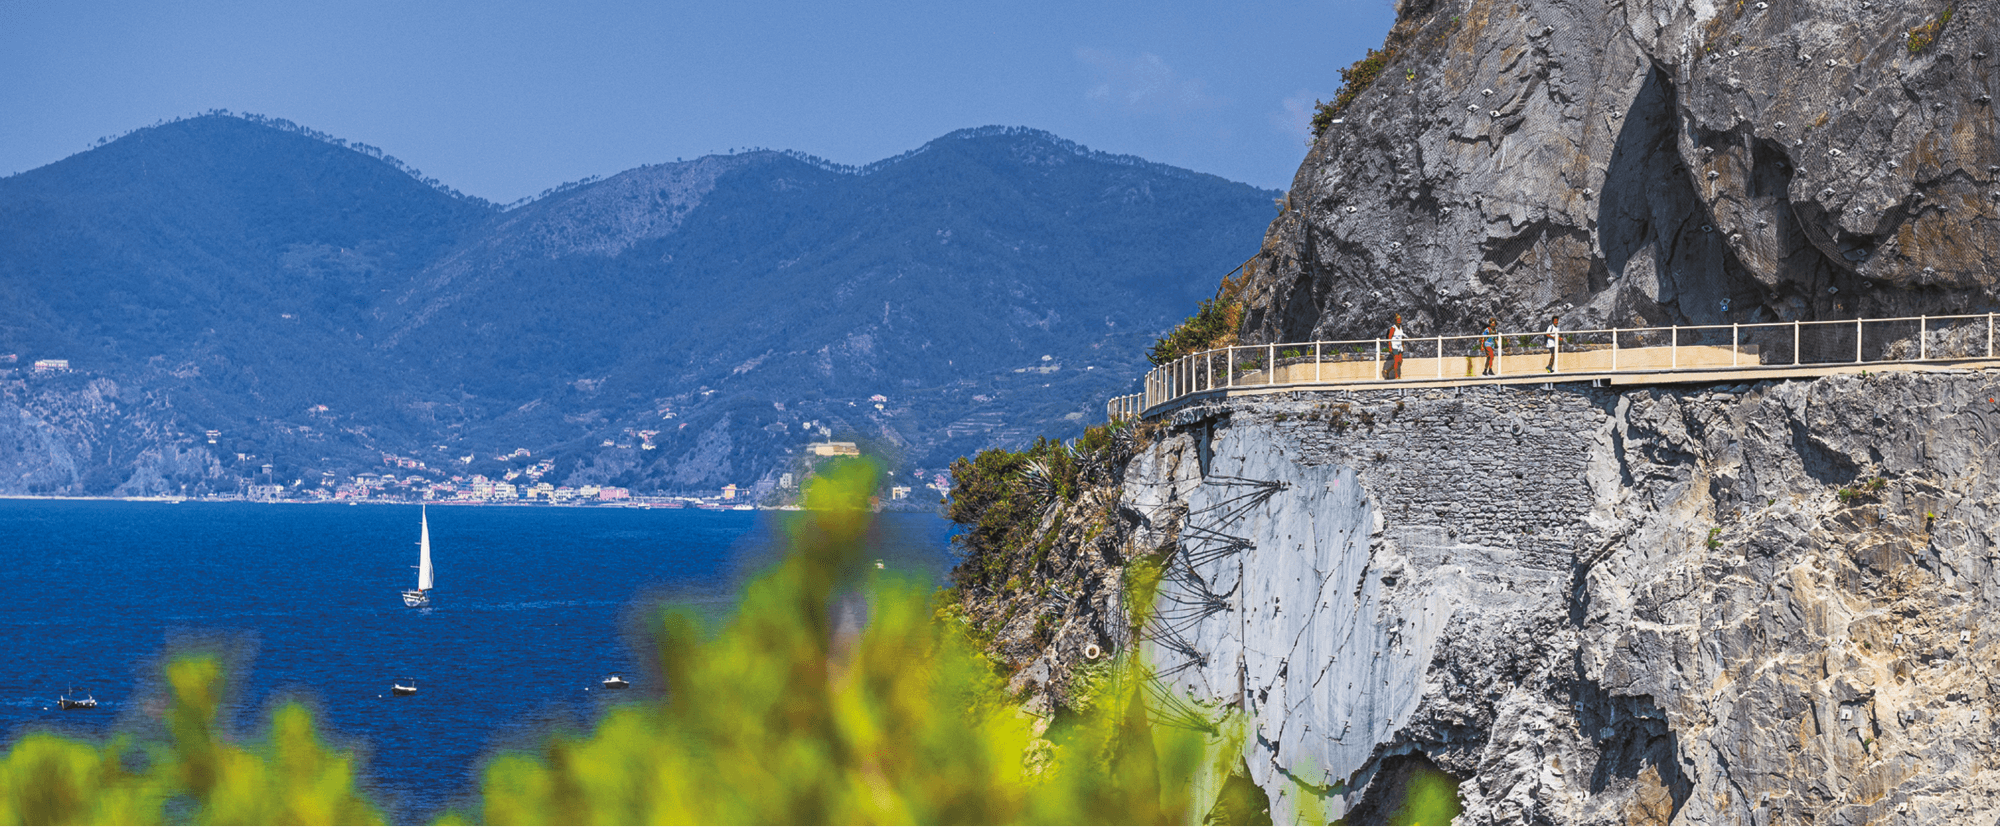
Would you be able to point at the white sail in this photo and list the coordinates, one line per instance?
(424, 556)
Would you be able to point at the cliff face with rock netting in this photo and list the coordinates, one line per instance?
(1646, 163)
(1763, 602)
(1754, 603)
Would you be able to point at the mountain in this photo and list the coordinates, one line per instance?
(1637, 165)
(321, 307)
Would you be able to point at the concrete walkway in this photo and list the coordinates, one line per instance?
(1684, 376)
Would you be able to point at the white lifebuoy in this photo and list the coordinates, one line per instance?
(1090, 651)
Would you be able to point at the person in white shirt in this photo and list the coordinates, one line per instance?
(1552, 334)
(1394, 370)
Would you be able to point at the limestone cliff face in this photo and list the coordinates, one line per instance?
(1752, 604)
(81, 434)
(1638, 163)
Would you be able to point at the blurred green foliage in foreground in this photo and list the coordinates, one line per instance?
(832, 695)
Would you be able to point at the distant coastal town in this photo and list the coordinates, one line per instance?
(525, 487)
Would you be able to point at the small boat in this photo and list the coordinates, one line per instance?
(399, 689)
(615, 682)
(421, 595)
(85, 702)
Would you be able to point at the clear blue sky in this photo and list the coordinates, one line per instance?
(504, 99)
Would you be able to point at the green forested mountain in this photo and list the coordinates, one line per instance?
(320, 307)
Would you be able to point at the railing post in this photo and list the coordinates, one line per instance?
(1857, 340)
(1440, 357)
(1923, 347)
(1989, 335)
(1316, 374)
(1378, 359)
(1735, 342)
(1210, 357)
(1271, 365)
(1674, 348)
(1614, 350)
(1229, 379)
(1795, 342)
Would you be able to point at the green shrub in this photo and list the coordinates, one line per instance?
(1213, 325)
(1353, 80)
(1000, 497)
(198, 772)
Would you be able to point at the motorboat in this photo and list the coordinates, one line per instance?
(420, 596)
(615, 682)
(86, 702)
(398, 688)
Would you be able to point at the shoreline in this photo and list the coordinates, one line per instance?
(613, 504)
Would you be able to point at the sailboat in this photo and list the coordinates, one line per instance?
(421, 595)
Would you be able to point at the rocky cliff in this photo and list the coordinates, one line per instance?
(1750, 603)
(85, 434)
(1647, 163)
(1764, 603)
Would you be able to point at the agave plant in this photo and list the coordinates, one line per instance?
(1038, 478)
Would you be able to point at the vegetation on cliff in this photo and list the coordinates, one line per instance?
(1005, 498)
(1214, 324)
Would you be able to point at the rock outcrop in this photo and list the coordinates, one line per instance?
(75, 434)
(1753, 604)
(1648, 163)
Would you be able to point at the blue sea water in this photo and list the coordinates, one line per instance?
(533, 607)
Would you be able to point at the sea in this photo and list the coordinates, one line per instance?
(533, 608)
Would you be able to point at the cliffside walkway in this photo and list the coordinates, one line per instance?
(1615, 356)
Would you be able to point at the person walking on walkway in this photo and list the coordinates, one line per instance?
(1394, 370)
(1552, 334)
(1491, 343)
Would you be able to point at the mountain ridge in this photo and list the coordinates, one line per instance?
(321, 306)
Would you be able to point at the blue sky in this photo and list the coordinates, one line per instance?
(502, 99)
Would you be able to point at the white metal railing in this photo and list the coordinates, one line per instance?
(1608, 350)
